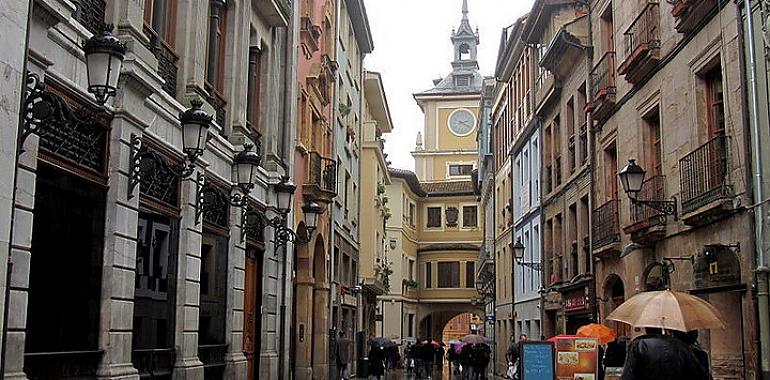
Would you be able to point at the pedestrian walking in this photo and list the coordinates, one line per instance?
(427, 355)
(409, 358)
(377, 362)
(342, 356)
(452, 357)
(482, 354)
(661, 357)
(513, 355)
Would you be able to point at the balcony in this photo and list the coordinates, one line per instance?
(310, 36)
(642, 42)
(647, 224)
(605, 229)
(62, 365)
(90, 13)
(219, 103)
(276, 12)
(690, 13)
(603, 88)
(321, 178)
(167, 60)
(705, 191)
(547, 88)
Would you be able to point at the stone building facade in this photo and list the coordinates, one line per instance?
(673, 101)
(560, 32)
(119, 276)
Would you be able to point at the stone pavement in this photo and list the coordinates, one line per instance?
(438, 374)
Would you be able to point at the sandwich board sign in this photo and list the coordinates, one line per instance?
(537, 361)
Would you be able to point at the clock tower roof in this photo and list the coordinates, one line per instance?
(465, 77)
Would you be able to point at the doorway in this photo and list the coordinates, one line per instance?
(252, 305)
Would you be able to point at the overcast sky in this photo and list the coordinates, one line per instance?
(412, 47)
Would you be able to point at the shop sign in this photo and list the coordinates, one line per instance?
(490, 318)
(552, 301)
(575, 301)
(716, 266)
(576, 358)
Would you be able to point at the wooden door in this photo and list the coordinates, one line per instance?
(252, 304)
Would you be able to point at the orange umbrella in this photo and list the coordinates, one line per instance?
(594, 330)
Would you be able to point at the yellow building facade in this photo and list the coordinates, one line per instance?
(435, 232)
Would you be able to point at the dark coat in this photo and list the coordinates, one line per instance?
(615, 355)
(343, 351)
(427, 353)
(661, 357)
(376, 361)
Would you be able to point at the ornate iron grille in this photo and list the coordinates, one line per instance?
(90, 13)
(603, 76)
(703, 174)
(154, 363)
(158, 181)
(76, 136)
(254, 222)
(167, 61)
(62, 365)
(605, 224)
(652, 190)
(219, 104)
(215, 205)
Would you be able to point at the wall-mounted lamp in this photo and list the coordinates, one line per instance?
(195, 126)
(632, 179)
(518, 253)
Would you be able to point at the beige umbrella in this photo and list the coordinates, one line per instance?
(668, 310)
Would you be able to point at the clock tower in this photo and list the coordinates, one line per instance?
(448, 148)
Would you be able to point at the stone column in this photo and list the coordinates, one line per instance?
(119, 265)
(187, 365)
(13, 24)
(303, 339)
(235, 360)
(321, 331)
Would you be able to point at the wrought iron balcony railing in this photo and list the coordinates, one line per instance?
(323, 172)
(644, 32)
(653, 189)
(703, 174)
(62, 365)
(90, 13)
(605, 224)
(212, 355)
(167, 61)
(219, 103)
(603, 77)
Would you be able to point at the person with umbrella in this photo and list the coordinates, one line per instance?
(662, 356)
(377, 361)
(426, 354)
(513, 354)
(452, 356)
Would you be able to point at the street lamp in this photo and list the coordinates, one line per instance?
(312, 211)
(104, 59)
(246, 163)
(518, 253)
(284, 191)
(145, 162)
(632, 179)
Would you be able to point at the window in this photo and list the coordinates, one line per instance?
(216, 45)
(428, 275)
(410, 324)
(652, 143)
(412, 211)
(449, 274)
(469, 216)
(346, 195)
(411, 270)
(611, 172)
(434, 217)
(159, 19)
(252, 102)
(460, 170)
(470, 275)
(462, 81)
(715, 102)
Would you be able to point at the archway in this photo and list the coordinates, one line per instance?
(320, 302)
(614, 296)
(461, 325)
(435, 320)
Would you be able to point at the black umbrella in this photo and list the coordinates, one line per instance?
(381, 341)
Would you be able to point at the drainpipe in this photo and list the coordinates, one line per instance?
(762, 270)
(9, 269)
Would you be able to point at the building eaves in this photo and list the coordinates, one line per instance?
(410, 178)
(538, 18)
(448, 188)
(361, 28)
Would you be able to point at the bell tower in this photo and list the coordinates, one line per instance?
(465, 41)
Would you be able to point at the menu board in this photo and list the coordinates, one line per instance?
(576, 358)
(537, 361)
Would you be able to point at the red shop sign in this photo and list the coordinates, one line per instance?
(575, 301)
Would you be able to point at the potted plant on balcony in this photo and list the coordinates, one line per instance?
(383, 271)
(410, 284)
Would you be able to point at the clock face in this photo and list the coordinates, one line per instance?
(462, 122)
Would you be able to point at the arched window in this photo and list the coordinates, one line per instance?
(655, 277)
(465, 52)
